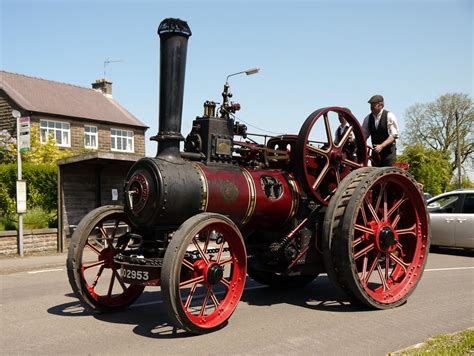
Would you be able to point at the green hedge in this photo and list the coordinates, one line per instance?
(41, 186)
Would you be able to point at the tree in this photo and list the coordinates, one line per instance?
(433, 125)
(430, 167)
(47, 152)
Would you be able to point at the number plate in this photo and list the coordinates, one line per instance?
(145, 275)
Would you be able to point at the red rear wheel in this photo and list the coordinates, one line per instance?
(204, 271)
(381, 238)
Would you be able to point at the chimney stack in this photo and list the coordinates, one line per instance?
(174, 34)
(103, 85)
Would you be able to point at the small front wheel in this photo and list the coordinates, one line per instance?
(203, 273)
(92, 272)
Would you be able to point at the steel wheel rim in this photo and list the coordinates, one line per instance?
(102, 287)
(207, 300)
(388, 252)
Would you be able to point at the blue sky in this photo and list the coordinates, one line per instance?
(312, 54)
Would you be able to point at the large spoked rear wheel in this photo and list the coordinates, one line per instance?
(92, 272)
(380, 238)
(204, 271)
(327, 246)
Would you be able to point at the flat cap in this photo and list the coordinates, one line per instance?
(376, 99)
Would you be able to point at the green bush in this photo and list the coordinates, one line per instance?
(41, 186)
(35, 218)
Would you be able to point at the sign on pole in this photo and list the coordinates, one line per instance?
(21, 196)
(24, 139)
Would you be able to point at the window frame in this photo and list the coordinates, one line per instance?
(54, 130)
(96, 134)
(116, 137)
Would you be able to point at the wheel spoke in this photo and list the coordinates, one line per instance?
(214, 299)
(345, 137)
(371, 269)
(338, 177)
(387, 266)
(398, 261)
(365, 229)
(383, 280)
(321, 176)
(328, 129)
(206, 243)
(318, 151)
(94, 264)
(203, 255)
(96, 279)
(190, 296)
(352, 164)
(227, 261)
(198, 279)
(119, 278)
(364, 267)
(397, 205)
(408, 231)
(371, 209)
(219, 254)
(188, 264)
(111, 285)
(204, 303)
(114, 231)
(396, 220)
(364, 251)
(379, 198)
(385, 205)
(92, 247)
(225, 282)
(364, 216)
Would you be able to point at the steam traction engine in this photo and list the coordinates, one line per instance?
(197, 222)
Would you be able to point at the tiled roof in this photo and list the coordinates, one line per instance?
(49, 97)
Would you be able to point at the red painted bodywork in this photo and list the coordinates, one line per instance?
(238, 193)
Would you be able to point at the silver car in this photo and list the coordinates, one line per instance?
(452, 219)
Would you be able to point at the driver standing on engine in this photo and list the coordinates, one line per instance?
(381, 125)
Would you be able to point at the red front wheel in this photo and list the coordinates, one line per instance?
(381, 238)
(92, 272)
(204, 271)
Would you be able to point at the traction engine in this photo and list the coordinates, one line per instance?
(197, 222)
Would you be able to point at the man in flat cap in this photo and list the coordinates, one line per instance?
(381, 125)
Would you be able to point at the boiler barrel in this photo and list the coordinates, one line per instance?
(166, 194)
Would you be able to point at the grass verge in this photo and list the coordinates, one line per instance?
(460, 343)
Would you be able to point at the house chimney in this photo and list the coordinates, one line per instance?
(103, 85)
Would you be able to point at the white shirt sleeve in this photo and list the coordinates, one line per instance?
(365, 127)
(392, 125)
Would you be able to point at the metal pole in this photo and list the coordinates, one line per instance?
(20, 215)
(458, 151)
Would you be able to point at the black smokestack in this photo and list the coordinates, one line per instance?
(174, 34)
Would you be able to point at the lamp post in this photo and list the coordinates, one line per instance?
(458, 151)
(20, 186)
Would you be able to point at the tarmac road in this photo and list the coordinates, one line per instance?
(40, 315)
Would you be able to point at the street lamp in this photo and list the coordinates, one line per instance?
(20, 186)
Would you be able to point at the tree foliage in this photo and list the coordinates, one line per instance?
(433, 125)
(430, 167)
(47, 152)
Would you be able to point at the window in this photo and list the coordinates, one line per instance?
(444, 205)
(90, 137)
(468, 207)
(121, 140)
(60, 131)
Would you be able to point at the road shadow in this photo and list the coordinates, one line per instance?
(321, 294)
(453, 251)
(149, 318)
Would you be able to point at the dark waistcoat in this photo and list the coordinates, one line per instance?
(379, 134)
